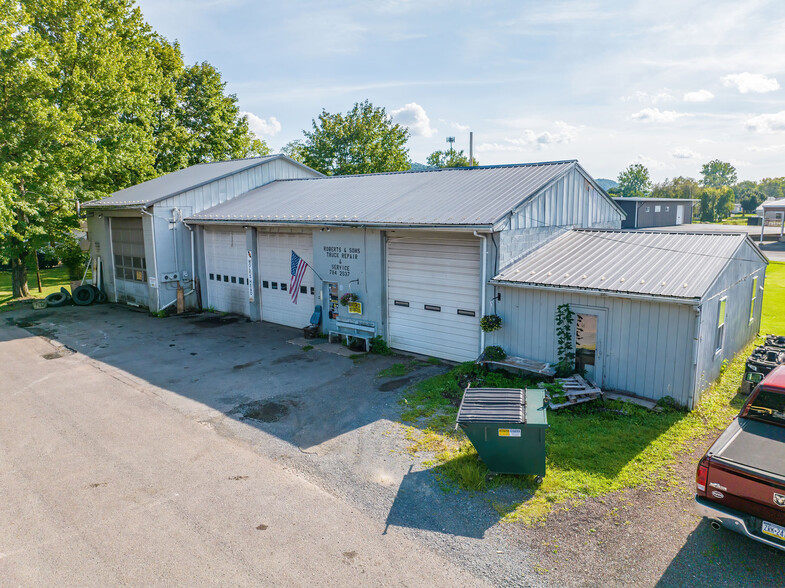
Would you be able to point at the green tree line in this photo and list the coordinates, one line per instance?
(93, 100)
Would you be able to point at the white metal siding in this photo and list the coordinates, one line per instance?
(648, 346)
(571, 201)
(439, 272)
(275, 258)
(226, 269)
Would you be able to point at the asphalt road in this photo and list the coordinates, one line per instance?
(102, 483)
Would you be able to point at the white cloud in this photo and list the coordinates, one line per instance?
(460, 127)
(684, 153)
(747, 82)
(413, 116)
(767, 123)
(663, 95)
(649, 162)
(655, 115)
(699, 96)
(563, 133)
(759, 149)
(262, 127)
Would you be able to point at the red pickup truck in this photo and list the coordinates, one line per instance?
(741, 479)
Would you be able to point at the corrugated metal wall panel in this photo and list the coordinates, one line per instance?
(735, 283)
(647, 345)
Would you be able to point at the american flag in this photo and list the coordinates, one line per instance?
(298, 271)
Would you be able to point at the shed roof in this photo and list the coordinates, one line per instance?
(476, 196)
(773, 205)
(163, 187)
(672, 265)
(646, 199)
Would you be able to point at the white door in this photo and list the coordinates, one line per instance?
(227, 270)
(275, 272)
(433, 289)
(680, 214)
(589, 343)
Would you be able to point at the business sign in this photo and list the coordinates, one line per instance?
(355, 307)
(250, 277)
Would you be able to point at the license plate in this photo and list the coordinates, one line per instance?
(773, 530)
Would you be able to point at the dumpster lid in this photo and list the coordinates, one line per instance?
(493, 405)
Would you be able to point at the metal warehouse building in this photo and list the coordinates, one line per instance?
(145, 249)
(656, 313)
(644, 213)
(416, 248)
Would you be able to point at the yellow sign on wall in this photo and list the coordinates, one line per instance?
(355, 308)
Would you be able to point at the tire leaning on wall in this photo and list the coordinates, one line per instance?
(83, 295)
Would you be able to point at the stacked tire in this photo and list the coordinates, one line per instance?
(83, 295)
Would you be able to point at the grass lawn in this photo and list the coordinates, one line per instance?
(773, 319)
(592, 449)
(51, 281)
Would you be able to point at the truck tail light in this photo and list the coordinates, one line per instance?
(701, 476)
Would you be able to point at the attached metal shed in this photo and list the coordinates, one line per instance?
(656, 313)
(138, 234)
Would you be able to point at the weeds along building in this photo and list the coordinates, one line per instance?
(421, 255)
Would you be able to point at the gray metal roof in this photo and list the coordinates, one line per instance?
(163, 187)
(645, 199)
(673, 265)
(477, 196)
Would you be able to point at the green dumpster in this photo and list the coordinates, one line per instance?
(507, 428)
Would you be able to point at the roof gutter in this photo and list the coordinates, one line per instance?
(695, 302)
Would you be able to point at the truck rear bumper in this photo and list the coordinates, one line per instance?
(732, 520)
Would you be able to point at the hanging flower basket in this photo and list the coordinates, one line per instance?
(491, 322)
(349, 297)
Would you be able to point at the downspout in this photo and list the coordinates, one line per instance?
(155, 260)
(483, 286)
(695, 355)
(193, 263)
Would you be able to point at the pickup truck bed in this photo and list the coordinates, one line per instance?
(756, 446)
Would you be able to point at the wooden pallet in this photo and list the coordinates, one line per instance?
(576, 390)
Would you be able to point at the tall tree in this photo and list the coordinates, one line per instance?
(449, 158)
(679, 187)
(634, 181)
(364, 140)
(717, 174)
(93, 100)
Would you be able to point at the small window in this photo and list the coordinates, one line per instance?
(401, 303)
(433, 307)
(226, 279)
(265, 284)
(241, 280)
(657, 208)
(466, 312)
(753, 298)
(218, 277)
(234, 279)
(212, 276)
(303, 289)
(283, 286)
(275, 285)
(312, 291)
(667, 209)
(648, 209)
(720, 340)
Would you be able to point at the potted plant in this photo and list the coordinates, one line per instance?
(491, 322)
(349, 297)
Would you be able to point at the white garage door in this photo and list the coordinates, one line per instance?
(227, 270)
(433, 291)
(275, 272)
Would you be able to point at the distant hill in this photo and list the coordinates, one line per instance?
(606, 184)
(421, 167)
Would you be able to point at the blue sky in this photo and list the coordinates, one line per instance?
(670, 84)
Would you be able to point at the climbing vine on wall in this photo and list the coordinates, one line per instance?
(565, 346)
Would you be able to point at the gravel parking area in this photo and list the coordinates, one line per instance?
(332, 421)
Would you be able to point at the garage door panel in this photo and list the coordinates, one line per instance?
(226, 268)
(439, 272)
(275, 259)
(130, 267)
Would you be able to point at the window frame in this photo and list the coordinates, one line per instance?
(754, 297)
(719, 341)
